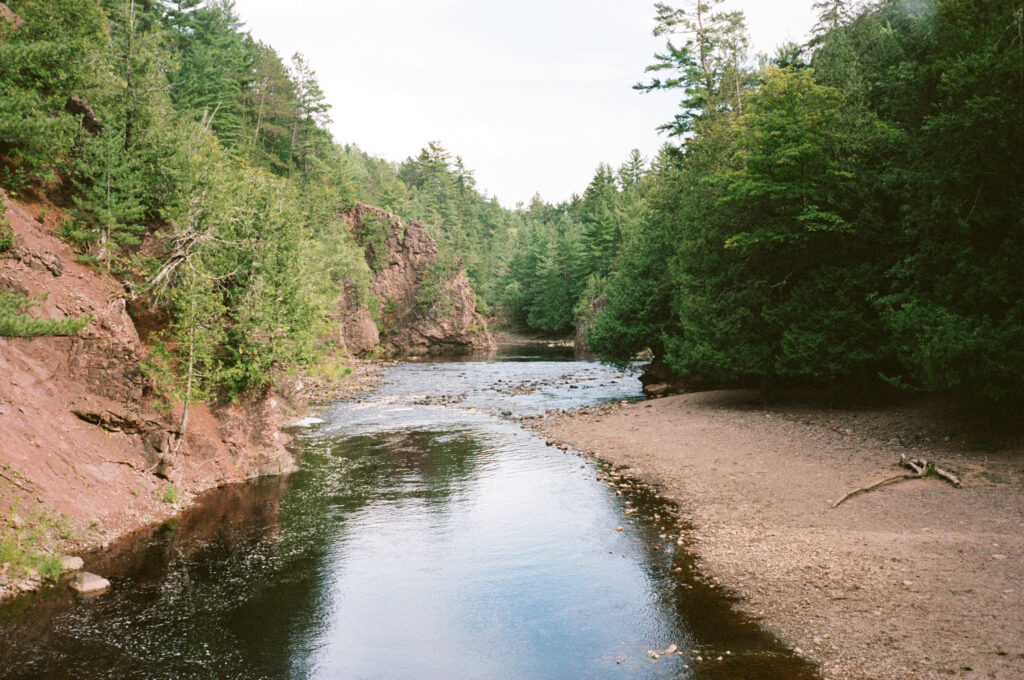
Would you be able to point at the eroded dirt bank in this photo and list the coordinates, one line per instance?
(88, 453)
(85, 454)
(915, 581)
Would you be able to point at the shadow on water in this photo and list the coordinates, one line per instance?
(725, 645)
(417, 541)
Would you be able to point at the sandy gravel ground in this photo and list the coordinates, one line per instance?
(919, 580)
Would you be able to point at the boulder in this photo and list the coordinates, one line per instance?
(658, 389)
(71, 563)
(88, 584)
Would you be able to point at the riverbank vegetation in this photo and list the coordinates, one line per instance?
(844, 212)
(847, 211)
(194, 164)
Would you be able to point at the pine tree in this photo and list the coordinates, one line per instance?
(109, 207)
(708, 66)
(309, 115)
(44, 62)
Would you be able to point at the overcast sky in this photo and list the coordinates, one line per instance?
(533, 94)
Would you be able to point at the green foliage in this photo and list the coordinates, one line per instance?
(372, 231)
(849, 209)
(707, 66)
(110, 210)
(6, 234)
(42, 64)
(432, 291)
(167, 494)
(835, 224)
(255, 286)
(15, 322)
(29, 541)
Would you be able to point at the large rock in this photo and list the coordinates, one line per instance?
(586, 320)
(409, 326)
(356, 331)
(88, 584)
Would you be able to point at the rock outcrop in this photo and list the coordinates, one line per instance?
(79, 433)
(586, 321)
(356, 332)
(424, 308)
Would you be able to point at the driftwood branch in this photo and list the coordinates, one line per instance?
(919, 469)
(947, 475)
(913, 464)
(877, 485)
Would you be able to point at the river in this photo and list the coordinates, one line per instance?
(427, 535)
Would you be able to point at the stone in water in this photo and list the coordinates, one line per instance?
(87, 583)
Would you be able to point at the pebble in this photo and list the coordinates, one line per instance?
(672, 649)
(618, 528)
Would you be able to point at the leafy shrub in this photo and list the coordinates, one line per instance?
(50, 568)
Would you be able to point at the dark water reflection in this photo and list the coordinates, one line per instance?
(425, 537)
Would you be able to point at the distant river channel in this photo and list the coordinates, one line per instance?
(426, 536)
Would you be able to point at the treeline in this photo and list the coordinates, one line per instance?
(195, 164)
(848, 211)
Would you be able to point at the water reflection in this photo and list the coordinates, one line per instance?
(424, 538)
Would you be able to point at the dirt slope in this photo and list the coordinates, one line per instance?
(78, 430)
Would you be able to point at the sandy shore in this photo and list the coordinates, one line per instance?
(919, 580)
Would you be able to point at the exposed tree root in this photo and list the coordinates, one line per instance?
(920, 469)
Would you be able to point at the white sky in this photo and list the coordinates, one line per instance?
(533, 94)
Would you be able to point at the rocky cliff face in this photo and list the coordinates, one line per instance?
(78, 432)
(423, 308)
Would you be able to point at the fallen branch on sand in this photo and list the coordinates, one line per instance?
(920, 468)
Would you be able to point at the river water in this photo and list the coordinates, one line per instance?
(427, 535)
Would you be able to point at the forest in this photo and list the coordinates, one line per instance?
(847, 212)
